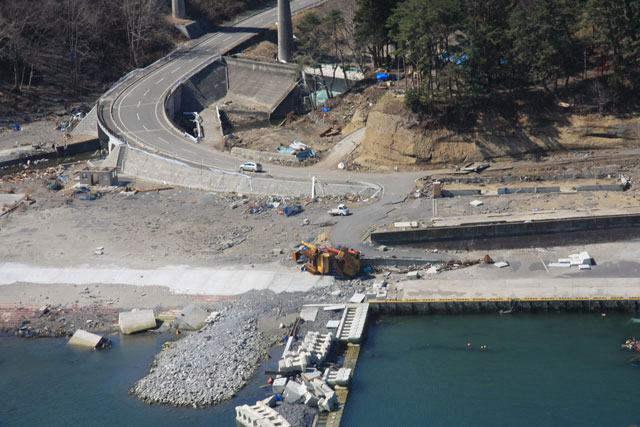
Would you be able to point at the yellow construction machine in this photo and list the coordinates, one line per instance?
(342, 262)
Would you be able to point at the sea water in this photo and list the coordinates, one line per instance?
(46, 382)
(537, 370)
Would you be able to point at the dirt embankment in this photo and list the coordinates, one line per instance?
(395, 136)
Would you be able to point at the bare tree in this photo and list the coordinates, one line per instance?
(141, 18)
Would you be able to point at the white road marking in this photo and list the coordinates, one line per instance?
(227, 38)
(158, 82)
(189, 151)
(145, 128)
(138, 104)
(192, 59)
(145, 94)
(175, 70)
(164, 140)
(138, 115)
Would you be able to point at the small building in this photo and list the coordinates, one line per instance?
(104, 177)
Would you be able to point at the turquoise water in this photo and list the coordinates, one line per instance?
(46, 382)
(538, 370)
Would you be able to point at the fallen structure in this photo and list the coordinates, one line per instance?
(136, 321)
(82, 338)
(342, 262)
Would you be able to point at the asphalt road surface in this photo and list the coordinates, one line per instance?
(136, 111)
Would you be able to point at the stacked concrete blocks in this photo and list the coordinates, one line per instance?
(259, 415)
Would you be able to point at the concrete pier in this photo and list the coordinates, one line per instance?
(285, 32)
(177, 9)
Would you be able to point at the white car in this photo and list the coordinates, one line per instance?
(341, 210)
(250, 167)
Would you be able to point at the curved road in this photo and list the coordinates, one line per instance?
(136, 112)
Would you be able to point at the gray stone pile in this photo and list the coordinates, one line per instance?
(206, 367)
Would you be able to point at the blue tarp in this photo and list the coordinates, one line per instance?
(292, 210)
(305, 154)
(325, 109)
(285, 150)
(381, 77)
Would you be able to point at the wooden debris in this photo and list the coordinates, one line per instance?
(145, 190)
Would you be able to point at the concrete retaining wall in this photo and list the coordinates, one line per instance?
(493, 306)
(157, 169)
(267, 84)
(203, 89)
(469, 233)
(262, 156)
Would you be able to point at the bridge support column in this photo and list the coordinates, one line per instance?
(177, 9)
(285, 32)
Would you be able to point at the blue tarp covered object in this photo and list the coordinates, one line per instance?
(381, 77)
(285, 150)
(305, 154)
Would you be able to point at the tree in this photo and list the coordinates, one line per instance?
(370, 27)
(141, 19)
(312, 44)
(544, 43)
(334, 25)
(615, 32)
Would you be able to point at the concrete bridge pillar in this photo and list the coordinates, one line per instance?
(177, 9)
(285, 32)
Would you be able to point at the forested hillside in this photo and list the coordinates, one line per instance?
(459, 53)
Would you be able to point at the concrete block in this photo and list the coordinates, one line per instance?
(136, 321)
(279, 385)
(293, 392)
(413, 275)
(406, 224)
(501, 264)
(476, 203)
(311, 375)
(309, 314)
(584, 267)
(334, 308)
(310, 400)
(333, 324)
(585, 258)
(192, 317)
(341, 378)
(82, 338)
(559, 264)
(357, 298)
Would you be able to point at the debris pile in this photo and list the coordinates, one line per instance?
(27, 175)
(581, 260)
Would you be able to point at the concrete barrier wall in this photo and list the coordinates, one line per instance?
(501, 230)
(262, 156)
(157, 169)
(493, 306)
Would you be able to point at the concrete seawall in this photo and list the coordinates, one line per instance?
(481, 235)
(157, 169)
(494, 305)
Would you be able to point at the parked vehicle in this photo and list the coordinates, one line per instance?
(250, 167)
(341, 210)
